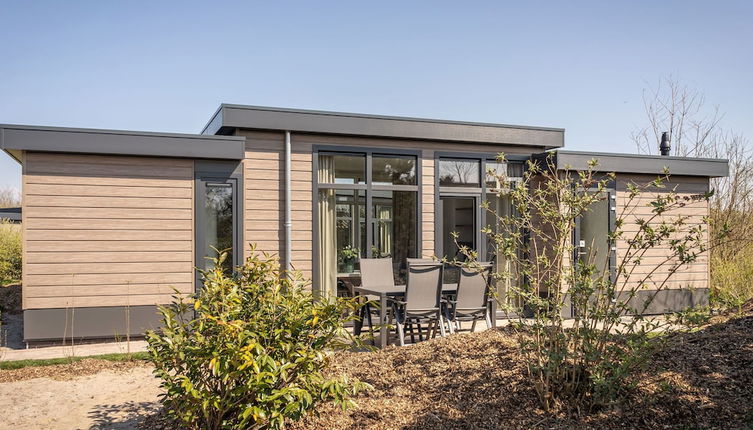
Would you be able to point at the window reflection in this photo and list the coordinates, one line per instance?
(459, 173)
(218, 219)
(393, 169)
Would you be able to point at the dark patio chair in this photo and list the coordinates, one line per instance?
(471, 302)
(423, 298)
(375, 272)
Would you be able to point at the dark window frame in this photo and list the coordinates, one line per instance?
(218, 172)
(480, 193)
(369, 187)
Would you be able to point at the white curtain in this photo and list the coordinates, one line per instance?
(327, 230)
(385, 231)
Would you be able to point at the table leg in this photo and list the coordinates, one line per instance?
(383, 329)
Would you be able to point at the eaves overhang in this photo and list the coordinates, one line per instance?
(638, 163)
(17, 138)
(229, 117)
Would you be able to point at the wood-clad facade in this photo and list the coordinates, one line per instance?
(106, 230)
(115, 222)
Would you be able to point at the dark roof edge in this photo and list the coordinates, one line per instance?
(115, 132)
(119, 142)
(211, 120)
(229, 117)
(386, 117)
(640, 163)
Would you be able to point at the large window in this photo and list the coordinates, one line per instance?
(367, 208)
(459, 212)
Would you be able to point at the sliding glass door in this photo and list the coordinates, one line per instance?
(367, 205)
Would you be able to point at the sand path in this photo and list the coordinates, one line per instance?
(106, 400)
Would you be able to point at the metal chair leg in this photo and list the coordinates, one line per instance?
(371, 324)
(473, 326)
(400, 334)
(441, 324)
(410, 329)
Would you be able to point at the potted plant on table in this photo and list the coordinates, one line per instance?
(348, 257)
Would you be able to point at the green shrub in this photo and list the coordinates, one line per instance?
(251, 355)
(10, 252)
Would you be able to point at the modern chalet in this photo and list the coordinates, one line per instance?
(115, 221)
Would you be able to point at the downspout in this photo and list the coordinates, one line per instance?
(288, 211)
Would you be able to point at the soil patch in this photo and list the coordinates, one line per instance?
(111, 399)
(65, 372)
(10, 298)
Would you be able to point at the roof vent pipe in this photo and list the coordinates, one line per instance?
(664, 145)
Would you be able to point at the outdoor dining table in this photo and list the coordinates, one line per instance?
(384, 293)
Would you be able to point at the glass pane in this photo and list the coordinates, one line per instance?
(593, 247)
(393, 169)
(458, 216)
(218, 222)
(459, 173)
(515, 170)
(494, 171)
(394, 228)
(351, 229)
(502, 208)
(342, 168)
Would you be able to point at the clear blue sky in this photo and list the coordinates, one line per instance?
(165, 66)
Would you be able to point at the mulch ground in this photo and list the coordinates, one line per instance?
(701, 379)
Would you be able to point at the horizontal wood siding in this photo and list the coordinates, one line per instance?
(656, 261)
(106, 230)
(264, 198)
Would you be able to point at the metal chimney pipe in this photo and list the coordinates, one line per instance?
(664, 147)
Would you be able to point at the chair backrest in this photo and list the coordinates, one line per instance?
(377, 272)
(473, 287)
(423, 291)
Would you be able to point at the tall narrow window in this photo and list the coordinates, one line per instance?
(218, 222)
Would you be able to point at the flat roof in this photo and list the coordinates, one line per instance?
(639, 163)
(229, 117)
(17, 138)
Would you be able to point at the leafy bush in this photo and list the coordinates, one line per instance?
(586, 362)
(252, 354)
(10, 252)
